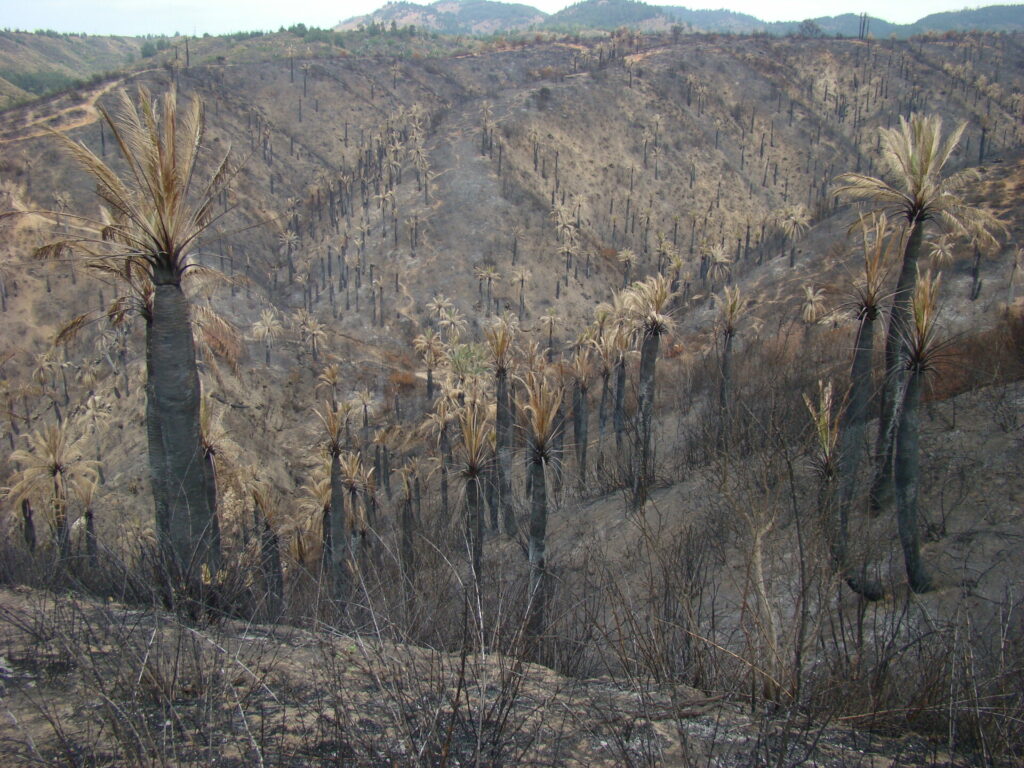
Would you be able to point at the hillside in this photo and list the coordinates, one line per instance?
(38, 63)
(382, 199)
(474, 17)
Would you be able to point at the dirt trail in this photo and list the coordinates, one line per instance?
(84, 113)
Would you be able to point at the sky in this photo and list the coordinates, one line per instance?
(136, 17)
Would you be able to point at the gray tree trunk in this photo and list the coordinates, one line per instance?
(852, 426)
(895, 372)
(906, 476)
(538, 532)
(503, 450)
(580, 424)
(643, 473)
(191, 522)
(335, 535)
(619, 407)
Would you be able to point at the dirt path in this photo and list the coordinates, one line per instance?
(66, 119)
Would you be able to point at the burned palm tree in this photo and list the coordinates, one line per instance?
(878, 245)
(914, 157)
(334, 539)
(500, 338)
(921, 347)
(158, 208)
(647, 306)
(52, 470)
(475, 451)
(431, 348)
(540, 408)
(268, 330)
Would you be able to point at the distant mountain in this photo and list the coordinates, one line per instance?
(994, 18)
(453, 17)
(481, 17)
(608, 14)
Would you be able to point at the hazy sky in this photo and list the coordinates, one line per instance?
(129, 17)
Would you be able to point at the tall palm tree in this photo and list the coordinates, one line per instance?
(500, 338)
(474, 428)
(878, 245)
(647, 306)
(541, 406)
(921, 347)
(159, 208)
(335, 546)
(582, 370)
(914, 157)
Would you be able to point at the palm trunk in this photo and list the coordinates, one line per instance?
(723, 385)
(644, 472)
(61, 529)
(538, 532)
(176, 395)
(445, 450)
(503, 449)
(906, 476)
(407, 549)
(475, 523)
(335, 535)
(579, 423)
(28, 526)
(355, 533)
(157, 460)
(851, 447)
(270, 566)
(90, 538)
(895, 372)
(619, 409)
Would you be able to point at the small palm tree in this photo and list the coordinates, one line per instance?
(432, 349)
(52, 468)
(550, 318)
(628, 259)
(521, 275)
(813, 305)
(267, 329)
(582, 371)
(330, 379)
(719, 265)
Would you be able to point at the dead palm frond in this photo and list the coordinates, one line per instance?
(500, 337)
(813, 305)
(878, 246)
(795, 220)
(921, 340)
(646, 305)
(825, 420)
(158, 207)
(732, 307)
(914, 156)
(540, 406)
